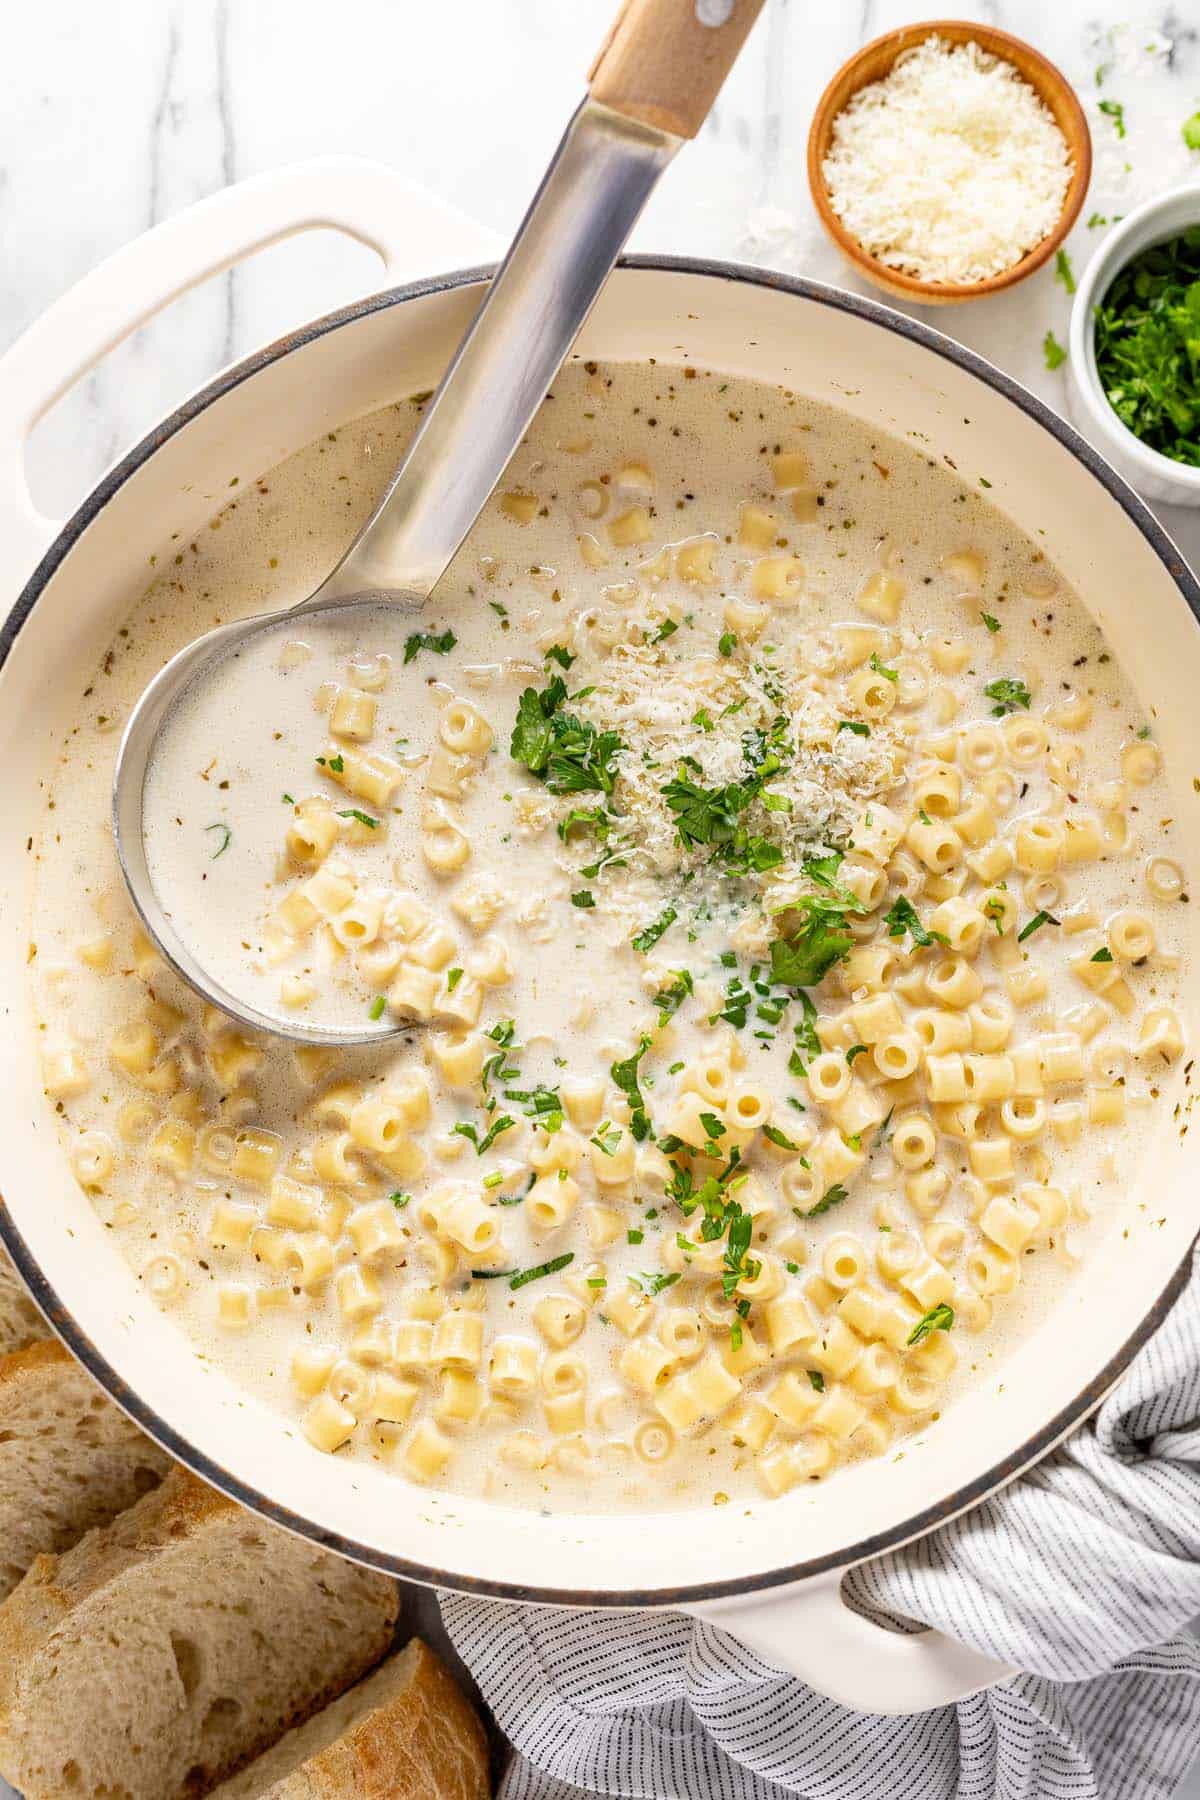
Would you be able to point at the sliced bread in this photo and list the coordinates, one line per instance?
(69, 1459)
(20, 1321)
(405, 1733)
(163, 1651)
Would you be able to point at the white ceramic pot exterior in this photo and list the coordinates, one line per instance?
(1154, 475)
(769, 1573)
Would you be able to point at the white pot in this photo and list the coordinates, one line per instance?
(770, 1573)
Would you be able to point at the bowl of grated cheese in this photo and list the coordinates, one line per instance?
(948, 160)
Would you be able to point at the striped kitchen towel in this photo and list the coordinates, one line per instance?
(1081, 1574)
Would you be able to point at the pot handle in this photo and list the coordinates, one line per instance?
(411, 231)
(808, 1630)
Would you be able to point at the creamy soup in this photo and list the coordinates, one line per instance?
(764, 868)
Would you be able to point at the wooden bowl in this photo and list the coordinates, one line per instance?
(872, 63)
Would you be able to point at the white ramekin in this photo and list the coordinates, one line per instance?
(1155, 476)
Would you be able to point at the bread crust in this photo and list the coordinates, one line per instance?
(426, 1743)
(418, 1738)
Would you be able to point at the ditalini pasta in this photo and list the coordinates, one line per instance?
(767, 861)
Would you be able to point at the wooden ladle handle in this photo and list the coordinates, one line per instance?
(661, 63)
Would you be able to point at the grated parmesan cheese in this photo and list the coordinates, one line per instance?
(951, 169)
(698, 711)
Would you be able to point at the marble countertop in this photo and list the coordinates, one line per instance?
(114, 117)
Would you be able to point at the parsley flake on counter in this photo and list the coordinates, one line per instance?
(1064, 272)
(441, 643)
(1114, 110)
(1053, 352)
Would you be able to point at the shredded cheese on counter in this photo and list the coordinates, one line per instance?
(951, 169)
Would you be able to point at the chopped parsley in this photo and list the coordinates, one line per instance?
(650, 934)
(497, 1128)
(288, 799)
(453, 977)
(773, 1135)
(856, 726)
(399, 1200)
(569, 754)
(626, 1078)
(1147, 338)
(583, 898)
(901, 916)
(524, 1276)
(1190, 131)
(654, 1284)
(817, 1379)
(441, 643)
(667, 629)
(669, 999)
(561, 655)
(727, 643)
(363, 818)
(1064, 272)
(1035, 924)
(938, 1318)
(991, 621)
(821, 939)
(833, 1196)
(607, 1138)
(1009, 694)
(1103, 955)
(226, 840)
(375, 1010)
(880, 669)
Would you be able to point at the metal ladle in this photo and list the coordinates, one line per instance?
(650, 88)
